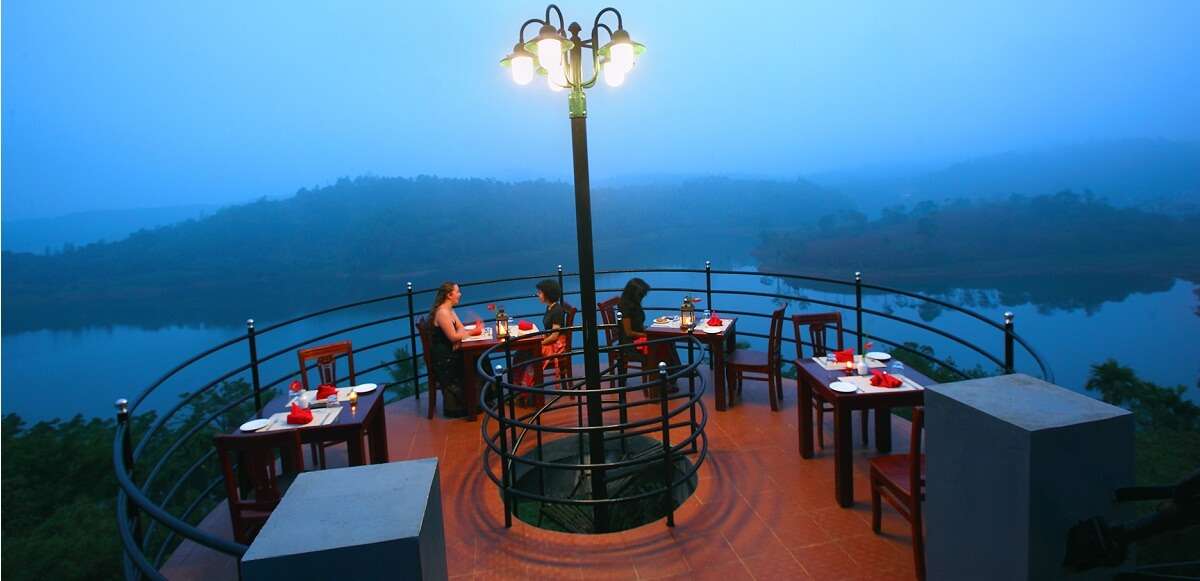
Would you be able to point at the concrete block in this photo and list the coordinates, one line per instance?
(382, 521)
(1012, 463)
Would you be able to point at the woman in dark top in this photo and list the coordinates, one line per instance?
(633, 327)
(446, 335)
(552, 343)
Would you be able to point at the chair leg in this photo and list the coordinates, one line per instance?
(918, 542)
(876, 508)
(820, 426)
(432, 399)
(321, 453)
(774, 395)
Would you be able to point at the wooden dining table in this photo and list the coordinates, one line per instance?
(473, 347)
(719, 343)
(352, 424)
(813, 377)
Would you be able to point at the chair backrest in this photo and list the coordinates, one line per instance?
(916, 477)
(326, 356)
(775, 338)
(608, 314)
(571, 311)
(424, 327)
(818, 332)
(251, 459)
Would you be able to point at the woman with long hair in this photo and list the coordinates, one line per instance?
(447, 334)
(633, 328)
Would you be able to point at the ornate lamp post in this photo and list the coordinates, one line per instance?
(560, 59)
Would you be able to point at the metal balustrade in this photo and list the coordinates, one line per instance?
(139, 462)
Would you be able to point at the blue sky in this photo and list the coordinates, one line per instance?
(152, 103)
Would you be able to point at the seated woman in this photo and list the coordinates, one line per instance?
(633, 327)
(549, 293)
(447, 335)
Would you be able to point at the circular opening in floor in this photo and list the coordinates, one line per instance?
(574, 484)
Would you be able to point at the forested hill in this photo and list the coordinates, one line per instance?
(1034, 242)
(367, 236)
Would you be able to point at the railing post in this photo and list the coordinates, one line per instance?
(562, 289)
(505, 477)
(131, 508)
(664, 398)
(858, 309)
(692, 384)
(708, 284)
(250, 338)
(412, 344)
(1008, 342)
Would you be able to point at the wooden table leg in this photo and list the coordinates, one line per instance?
(883, 430)
(843, 465)
(377, 431)
(718, 374)
(470, 385)
(804, 414)
(354, 449)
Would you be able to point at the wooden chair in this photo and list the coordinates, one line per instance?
(251, 460)
(563, 368)
(761, 365)
(900, 478)
(818, 335)
(608, 314)
(326, 358)
(423, 329)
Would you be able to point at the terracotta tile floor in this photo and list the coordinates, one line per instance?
(759, 512)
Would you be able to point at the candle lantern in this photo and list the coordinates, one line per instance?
(501, 323)
(687, 313)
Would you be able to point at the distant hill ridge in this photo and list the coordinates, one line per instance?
(1159, 175)
(367, 236)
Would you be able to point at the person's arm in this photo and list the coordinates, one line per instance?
(450, 325)
(552, 337)
(627, 325)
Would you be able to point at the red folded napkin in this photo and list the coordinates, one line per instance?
(299, 416)
(524, 325)
(844, 355)
(325, 390)
(714, 320)
(884, 379)
(641, 346)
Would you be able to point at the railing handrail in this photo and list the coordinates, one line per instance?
(132, 496)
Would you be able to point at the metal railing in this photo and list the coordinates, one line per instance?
(143, 497)
(567, 393)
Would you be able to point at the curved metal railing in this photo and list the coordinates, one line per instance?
(167, 475)
(566, 394)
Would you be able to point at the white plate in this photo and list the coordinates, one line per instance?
(365, 388)
(879, 355)
(255, 425)
(708, 329)
(843, 387)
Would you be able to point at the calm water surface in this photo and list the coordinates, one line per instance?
(49, 374)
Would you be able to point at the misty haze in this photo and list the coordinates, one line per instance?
(171, 171)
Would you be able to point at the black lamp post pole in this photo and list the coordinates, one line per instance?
(587, 283)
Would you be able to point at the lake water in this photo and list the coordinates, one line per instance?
(60, 373)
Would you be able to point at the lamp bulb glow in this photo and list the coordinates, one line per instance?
(613, 75)
(522, 69)
(549, 53)
(553, 86)
(621, 56)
